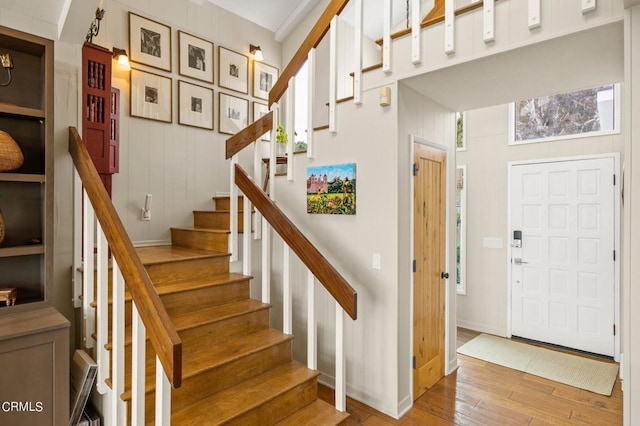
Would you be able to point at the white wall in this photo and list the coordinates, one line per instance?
(484, 308)
(348, 242)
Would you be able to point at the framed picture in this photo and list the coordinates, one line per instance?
(195, 105)
(196, 57)
(264, 77)
(331, 189)
(149, 42)
(260, 110)
(150, 96)
(233, 114)
(233, 70)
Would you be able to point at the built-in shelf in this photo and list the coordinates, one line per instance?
(21, 250)
(22, 177)
(21, 111)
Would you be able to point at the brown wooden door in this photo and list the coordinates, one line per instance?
(429, 253)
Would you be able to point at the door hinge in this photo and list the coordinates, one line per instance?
(614, 255)
(614, 180)
(414, 362)
(415, 169)
(414, 267)
(614, 329)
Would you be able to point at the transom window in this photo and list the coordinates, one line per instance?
(581, 113)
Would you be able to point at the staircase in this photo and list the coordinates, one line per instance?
(236, 369)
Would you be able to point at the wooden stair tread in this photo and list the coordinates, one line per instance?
(170, 253)
(206, 230)
(218, 279)
(230, 403)
(194, 319)
(198, 357)
(318, 413)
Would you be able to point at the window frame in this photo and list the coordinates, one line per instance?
(616, 125)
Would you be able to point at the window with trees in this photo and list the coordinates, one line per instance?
(461, 251)
(461, 131)
(581, 113)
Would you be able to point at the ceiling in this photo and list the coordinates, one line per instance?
(279, 16)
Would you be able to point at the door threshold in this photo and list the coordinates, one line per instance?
(565, 349)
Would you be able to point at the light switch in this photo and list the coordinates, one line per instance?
(377, 261)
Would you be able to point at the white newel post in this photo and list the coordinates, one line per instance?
(449, 31)
(489, 11)
(416, 53)
(386, 36)
(78, 193)
(291, 125)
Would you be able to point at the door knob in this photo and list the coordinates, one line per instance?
(444, 275)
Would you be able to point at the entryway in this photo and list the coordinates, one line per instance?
(564, 217)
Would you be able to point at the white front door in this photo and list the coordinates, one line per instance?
(563, 273)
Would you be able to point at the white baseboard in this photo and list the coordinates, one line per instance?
(361, 396)
(404, 406)
(482, 328)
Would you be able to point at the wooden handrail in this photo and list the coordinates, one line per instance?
(313, 39)
(161, 331)
(335, 284)
(239, 141)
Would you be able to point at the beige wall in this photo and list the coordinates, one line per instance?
(484, 308)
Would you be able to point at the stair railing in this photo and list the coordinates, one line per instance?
(149, 316)
(269, 216)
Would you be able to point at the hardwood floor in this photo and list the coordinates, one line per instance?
(480, 393)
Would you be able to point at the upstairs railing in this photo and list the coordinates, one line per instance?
(149, 316)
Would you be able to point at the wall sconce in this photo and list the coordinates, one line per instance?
(94, 29)
(256, 52)
(7, 64)
(120, 55)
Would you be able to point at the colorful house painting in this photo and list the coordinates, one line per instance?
(331, 189)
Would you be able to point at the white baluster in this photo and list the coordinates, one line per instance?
(118, 408)
(77, 239)
(246, 237)
(489, 12)
(534, 14)
(287, 296)
(233, 213)
(291, 125)
(449, 31)
(357, 72)
(386, 36)
(416, 53)
(163, 396)
(341, 383)
(102, 298)
(312, 329)
(588, 6)
(266, 261)
(272, 151)
(257, 173)
(333, 73)
(311, 95)
(138, 368)
(88, 312)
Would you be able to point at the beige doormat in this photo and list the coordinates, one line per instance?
(583, 373)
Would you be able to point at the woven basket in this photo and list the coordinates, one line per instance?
(10, 155)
